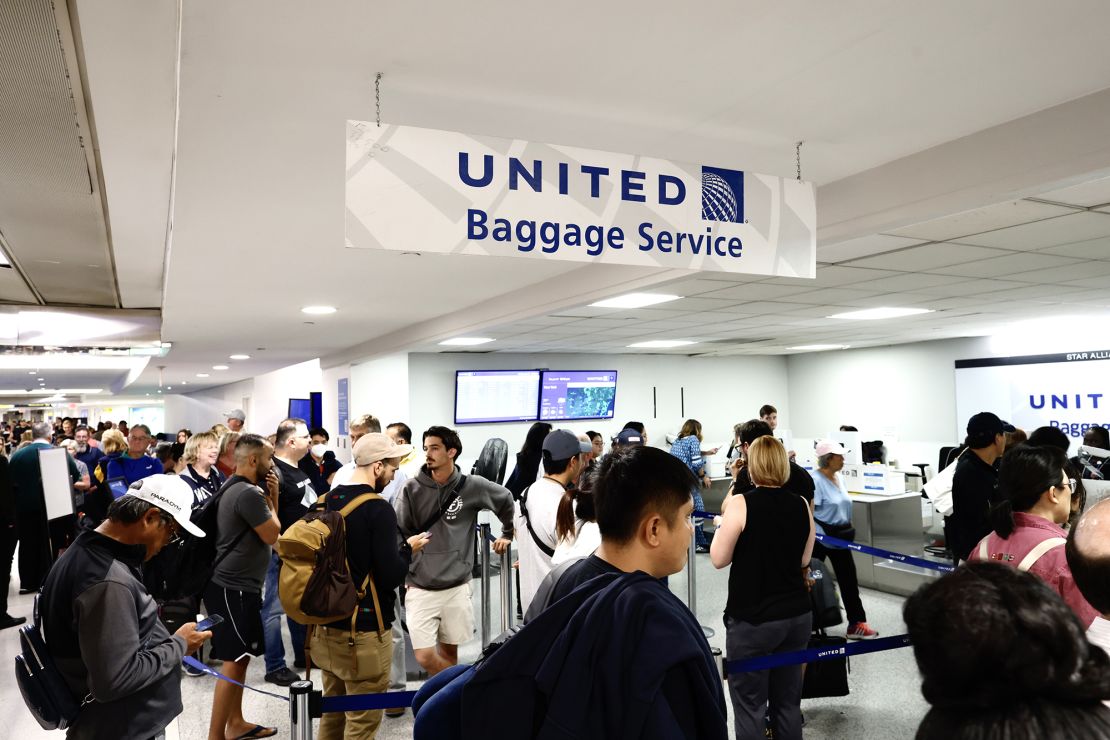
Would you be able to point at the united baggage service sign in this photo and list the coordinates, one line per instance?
(425, 190)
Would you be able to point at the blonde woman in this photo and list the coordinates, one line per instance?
(202, 451)
(766, 538)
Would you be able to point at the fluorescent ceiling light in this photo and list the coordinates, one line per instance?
(819, 347)
(202, 375)
(36, 391)
(239, 357)
(318, 310)
(635, 300)
(870, 314)
(219, 367)
(465, 341)
(662, 344)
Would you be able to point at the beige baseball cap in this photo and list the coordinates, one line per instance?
(373, 447)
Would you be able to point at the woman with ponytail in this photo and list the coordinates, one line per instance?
(1034, 500)
(575, 523)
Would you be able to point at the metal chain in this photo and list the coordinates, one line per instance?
(378, 97)
(798, 158)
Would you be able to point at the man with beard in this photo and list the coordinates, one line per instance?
(373, 551)
(85, 452)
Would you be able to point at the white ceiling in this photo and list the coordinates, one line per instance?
(266, 86)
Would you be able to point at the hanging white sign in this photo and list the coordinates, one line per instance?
(425, 190)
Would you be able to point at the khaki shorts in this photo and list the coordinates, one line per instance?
(445, 616)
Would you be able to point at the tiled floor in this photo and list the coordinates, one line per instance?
(885, 699)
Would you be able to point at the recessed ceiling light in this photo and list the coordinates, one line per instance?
(662, 344)
(219, 367)
(819, 347)
(239, 357)
(635, 300)
(318, 310)
(169, 387)
(465, 341)
(870, 314)
(184, 382)
(31, 372)
(40, 378)
(202, 375)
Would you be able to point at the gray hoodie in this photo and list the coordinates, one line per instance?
(446, 561)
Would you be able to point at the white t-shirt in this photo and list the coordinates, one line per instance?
(543, 504)
(581, 546)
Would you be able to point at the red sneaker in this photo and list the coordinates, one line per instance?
(861, 631)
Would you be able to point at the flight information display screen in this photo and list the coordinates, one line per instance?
(577, 394)
(486, 396)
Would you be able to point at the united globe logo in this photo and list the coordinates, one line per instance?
(722, 195)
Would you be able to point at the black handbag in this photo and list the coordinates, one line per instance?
(826, 677)
(44, 690)
(826, 607)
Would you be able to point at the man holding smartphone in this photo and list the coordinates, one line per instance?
(102, 627)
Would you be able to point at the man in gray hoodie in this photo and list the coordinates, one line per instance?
(445, 504)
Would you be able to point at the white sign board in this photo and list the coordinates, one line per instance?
(57, 486)
(425, 190)
(1070, 391)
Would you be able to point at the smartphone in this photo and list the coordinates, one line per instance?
(209, 622)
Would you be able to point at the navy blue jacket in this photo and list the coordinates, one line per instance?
(619, 657)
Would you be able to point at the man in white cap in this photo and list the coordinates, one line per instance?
(235, 420)
(102, 627)
(359, 663)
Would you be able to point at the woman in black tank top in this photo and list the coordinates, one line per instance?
(766, 537)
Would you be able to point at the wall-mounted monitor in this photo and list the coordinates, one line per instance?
(300, 408)
(487, 396)
(577, 394)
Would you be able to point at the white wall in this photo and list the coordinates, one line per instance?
(265, 399)
(719, 392)
(904, 394)
(382, 387)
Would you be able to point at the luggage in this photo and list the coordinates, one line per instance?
(826, 606)
(826, 677)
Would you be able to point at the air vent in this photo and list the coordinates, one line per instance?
(736, 340)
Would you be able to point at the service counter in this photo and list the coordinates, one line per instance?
(892, 522)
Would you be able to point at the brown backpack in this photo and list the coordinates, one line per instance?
(314, 583)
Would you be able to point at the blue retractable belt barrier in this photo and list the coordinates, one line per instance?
(212, 672)
(840, 544)
(489, 536)
(362, 702)
(813, 655)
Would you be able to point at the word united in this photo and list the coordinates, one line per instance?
(722, 201)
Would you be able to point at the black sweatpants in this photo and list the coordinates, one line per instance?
(34, 549)
(845, 569)
(8, 540)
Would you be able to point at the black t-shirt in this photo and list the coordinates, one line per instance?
(374, 545)
(973, 491)
(579, 573)
(292, 491)
(319, 473)
(765, 580)
(799, 482)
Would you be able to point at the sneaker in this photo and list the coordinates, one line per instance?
(702, 549)
(395, 712)
(192, 671)
(861, 631)
(282, 676)
(7, 620)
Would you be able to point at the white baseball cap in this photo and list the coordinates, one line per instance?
(828, 447)
(170, 494)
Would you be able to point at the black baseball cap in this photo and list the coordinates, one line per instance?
(984, 427)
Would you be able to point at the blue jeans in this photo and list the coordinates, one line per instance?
(271, 622)
(699, 505)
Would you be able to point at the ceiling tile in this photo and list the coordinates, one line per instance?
(832, 296)
(1074, 271)
(863, 247)
(756, 291)
(697, 286)
(833, 276)
(988, 218)
(1092, 249)
(1010, 263)
(909, 281)
(927, 257)
(1048, 233)
(968, 288)
(1087, 194)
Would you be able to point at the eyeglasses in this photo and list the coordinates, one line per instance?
(1069, 484)
(171, 524)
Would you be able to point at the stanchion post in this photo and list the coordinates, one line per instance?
(507, 589)
(300, 713)
(692, 585)
(484, 535)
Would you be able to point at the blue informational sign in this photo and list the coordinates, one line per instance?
(344, 405)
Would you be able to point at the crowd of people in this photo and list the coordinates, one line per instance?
(597, 534)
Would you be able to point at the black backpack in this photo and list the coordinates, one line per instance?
(184, 568)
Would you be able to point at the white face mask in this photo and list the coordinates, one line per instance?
(319, 450)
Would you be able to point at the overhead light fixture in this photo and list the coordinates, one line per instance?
(184, 382)
(239, 357)
(219, 367)
(465, 341)
(318, 310)
(662, 344)
(40, 379)
(202, 375)
(31, 372)
(635, 300)
(818, 347)
(871, 314)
